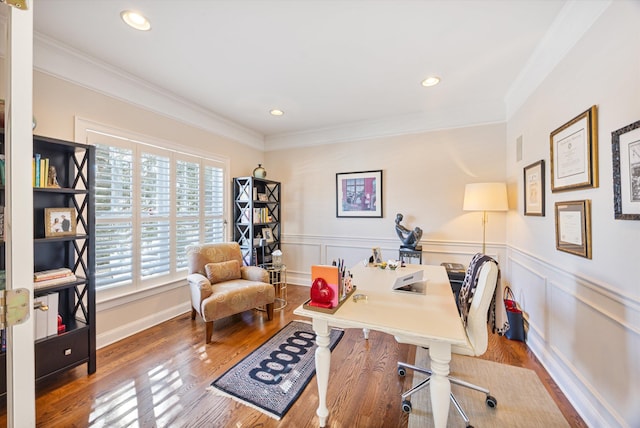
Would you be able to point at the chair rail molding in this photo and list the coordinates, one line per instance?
(301, 251)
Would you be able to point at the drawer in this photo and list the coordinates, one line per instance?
(60, 352)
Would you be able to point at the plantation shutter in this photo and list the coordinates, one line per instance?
(114, 215)
(155, 204)
(187, 209)
(213, 204)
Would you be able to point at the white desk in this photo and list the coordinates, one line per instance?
(429, 320)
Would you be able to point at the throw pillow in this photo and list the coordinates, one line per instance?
(223, 271)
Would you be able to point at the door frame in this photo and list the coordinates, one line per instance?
(19, 210)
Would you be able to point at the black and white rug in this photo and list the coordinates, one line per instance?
(273, 376)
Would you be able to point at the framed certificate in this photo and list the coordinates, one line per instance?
(534, 189)
(625, 146)
(574, 153)
(573, 227)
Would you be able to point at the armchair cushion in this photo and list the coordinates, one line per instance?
(254, 273)
(222, 271)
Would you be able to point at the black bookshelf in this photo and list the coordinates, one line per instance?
(256, 209)
(75, 343)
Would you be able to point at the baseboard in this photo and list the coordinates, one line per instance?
(116, 334)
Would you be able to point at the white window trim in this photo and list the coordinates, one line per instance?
(118, 295)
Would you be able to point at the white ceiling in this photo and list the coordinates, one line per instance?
(339, 69)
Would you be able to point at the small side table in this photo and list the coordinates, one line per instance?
(278, 278)
(409, 255)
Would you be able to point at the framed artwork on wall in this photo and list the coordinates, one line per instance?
(625, 146)
(573, 227)
(534, 189)
(574, 153)
(359, 194)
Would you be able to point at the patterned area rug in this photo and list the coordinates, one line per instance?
(273, 376)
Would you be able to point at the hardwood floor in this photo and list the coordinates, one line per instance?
(159, 378)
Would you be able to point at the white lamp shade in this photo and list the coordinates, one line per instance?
(485, 197)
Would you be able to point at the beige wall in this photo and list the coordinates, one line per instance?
(585, 314)
(423, 178)
(56, 104)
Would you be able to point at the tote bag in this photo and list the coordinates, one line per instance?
(514, 316)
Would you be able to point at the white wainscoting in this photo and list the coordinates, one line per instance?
(300, 252)
(585, 334)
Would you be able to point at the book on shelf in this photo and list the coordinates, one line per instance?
(261, 215)
(51, 274)
(46, 321)
(2, 167)
(36, 170)
(40, 173)
(55, 281)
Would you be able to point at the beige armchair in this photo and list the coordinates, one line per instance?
(221, 286)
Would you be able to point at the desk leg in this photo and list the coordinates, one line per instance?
(323, 365)
(440, 354)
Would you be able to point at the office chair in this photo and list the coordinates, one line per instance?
(476, 332)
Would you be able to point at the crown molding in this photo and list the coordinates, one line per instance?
(442, 118)
(61, 61)
(573, 21)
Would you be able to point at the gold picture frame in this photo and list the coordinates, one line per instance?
(573, 227)
(59, 221)
(534, 189)
(574, 153)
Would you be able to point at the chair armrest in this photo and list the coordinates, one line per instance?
(200, 289)
(254, 273)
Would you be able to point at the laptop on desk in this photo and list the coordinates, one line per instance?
(410, 282)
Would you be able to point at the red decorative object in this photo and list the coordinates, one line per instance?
(321, 294)
(61, 327)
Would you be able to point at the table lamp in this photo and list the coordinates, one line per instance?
(485, 197)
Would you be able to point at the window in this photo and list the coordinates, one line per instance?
(151, 203)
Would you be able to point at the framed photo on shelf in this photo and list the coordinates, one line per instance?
(359, 194)
(534, 189)
(262, 197)
(59, 221)
(377, 255)
(625, 145)
(574, 153)
(267, 234)
(573, 227)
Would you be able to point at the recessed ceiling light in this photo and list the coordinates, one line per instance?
(431, 81)
(135, 20)
(276, 112)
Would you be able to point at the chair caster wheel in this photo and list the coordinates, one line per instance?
(491, 401)
(401, 371)
(406, 406)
